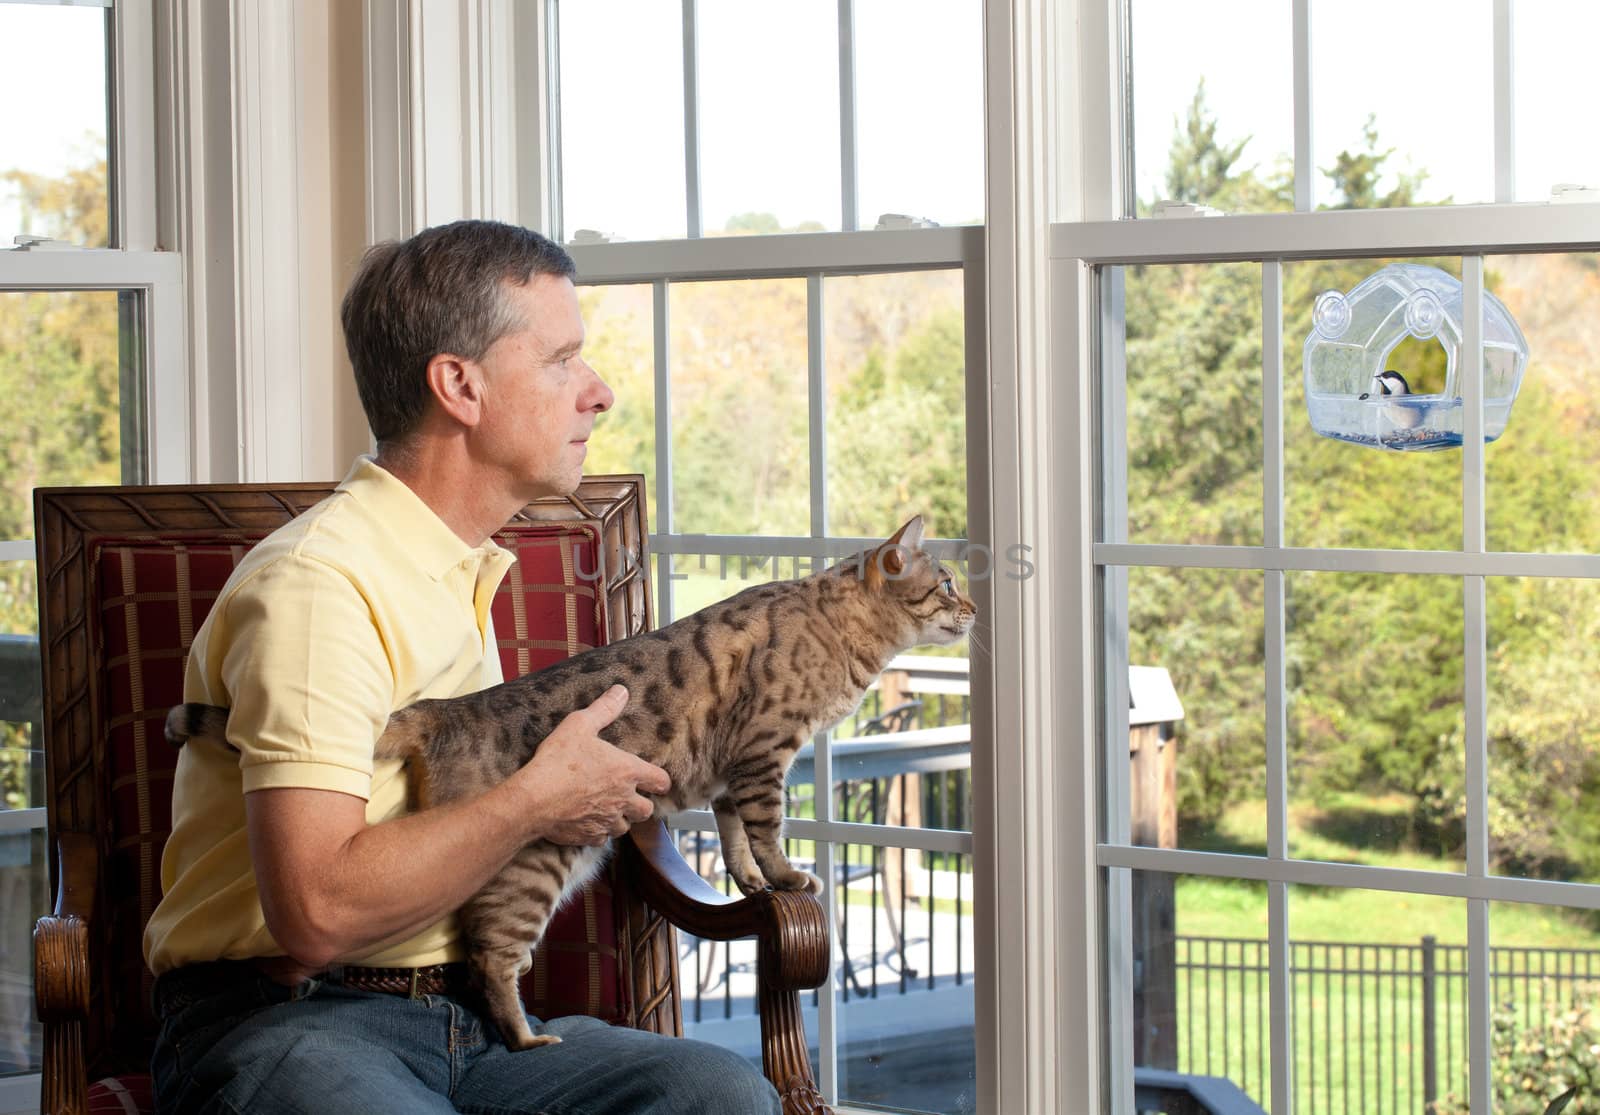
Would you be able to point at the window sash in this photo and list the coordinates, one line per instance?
(1470, 232)
(1305, 171)
(811, 256)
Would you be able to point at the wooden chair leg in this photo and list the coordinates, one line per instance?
(785, 1059)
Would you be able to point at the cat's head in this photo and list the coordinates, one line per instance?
(918, 586)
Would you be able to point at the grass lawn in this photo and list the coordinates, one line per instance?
(1358, 1034)
(1222, 908)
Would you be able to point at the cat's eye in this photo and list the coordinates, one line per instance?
(949, 586)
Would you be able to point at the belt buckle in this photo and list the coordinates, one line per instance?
(416, 974)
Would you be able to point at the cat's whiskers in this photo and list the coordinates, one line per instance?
(975, 639)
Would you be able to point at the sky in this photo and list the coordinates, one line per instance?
(769, 99)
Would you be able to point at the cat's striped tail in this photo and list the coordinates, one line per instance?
(185, 722)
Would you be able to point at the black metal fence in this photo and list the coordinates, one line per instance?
(1376, 1028)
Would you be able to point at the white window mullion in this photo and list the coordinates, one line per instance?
(817, 405)
(1280, 976)
(691, 116)
(849, 199)
(1446, 563)
(828, 1000)
(1505, 136)
(1304, 167)
(1280, 989)
(661, 302)
(1116, 824)
(1475, 685)
(1480, 1006)
(133, 87)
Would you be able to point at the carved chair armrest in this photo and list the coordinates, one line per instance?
(61, 975)
(790, 925)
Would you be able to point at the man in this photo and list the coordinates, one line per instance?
(296, 884)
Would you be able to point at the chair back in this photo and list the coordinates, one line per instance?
(128, 575)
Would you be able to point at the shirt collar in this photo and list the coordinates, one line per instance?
(417, 531)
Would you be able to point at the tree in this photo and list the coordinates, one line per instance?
(1355, 175)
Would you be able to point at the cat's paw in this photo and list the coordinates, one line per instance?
(798, 880)
(749, 884)
(533, 1042)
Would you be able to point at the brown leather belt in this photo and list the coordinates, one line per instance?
(413, 983)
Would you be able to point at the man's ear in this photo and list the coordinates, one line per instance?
(457, 386)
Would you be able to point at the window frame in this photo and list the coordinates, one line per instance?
(1081, 251)
(813, 257)
(135, 263)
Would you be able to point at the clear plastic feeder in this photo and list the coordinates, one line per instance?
(1353, 334)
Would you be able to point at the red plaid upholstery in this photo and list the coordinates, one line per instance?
(121, 1095)
(151, 598)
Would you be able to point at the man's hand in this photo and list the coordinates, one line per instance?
(587, 790)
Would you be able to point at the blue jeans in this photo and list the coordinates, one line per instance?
(253, 1045)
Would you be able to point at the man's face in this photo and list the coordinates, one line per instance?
(540, 398)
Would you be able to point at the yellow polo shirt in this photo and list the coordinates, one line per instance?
(364, 604)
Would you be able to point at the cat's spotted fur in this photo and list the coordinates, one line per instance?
(721, 700)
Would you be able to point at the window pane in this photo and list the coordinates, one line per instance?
(1341, 494)
(619, 344)
(1213, 109)
(741, 458)
(1551, 73)
(21, 761)
(769, 116)
(1544, 741)
(1545, 987)
(1368, 969)
(1541, 479)
(897, 400)
(1193, 403)
(1200, 1002)
(1375, 719)
(1198, 779)
(622, 140)
(53, 158)
(919, 110)
(62, 378)
(23, 900)
(905, 965)
(1402, 102)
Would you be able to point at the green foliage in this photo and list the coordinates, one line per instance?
(1355, 174)
(1374, 664)
(1543, 1069)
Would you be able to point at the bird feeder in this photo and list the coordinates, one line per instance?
(1348, 348)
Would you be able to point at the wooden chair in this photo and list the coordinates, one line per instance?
(127, 575)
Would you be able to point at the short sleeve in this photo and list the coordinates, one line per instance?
(308, 677)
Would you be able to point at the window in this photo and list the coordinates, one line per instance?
(89, 332)
(794, 389)
(1353, 876)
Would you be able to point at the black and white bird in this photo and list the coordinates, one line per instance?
(1388, 384)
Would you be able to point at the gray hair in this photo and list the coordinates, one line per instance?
(443, 290)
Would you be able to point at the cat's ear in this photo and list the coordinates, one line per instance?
(890, 559)
(909, 536)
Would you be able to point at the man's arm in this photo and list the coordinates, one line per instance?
(332, 886)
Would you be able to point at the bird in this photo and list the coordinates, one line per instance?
(1390, 383)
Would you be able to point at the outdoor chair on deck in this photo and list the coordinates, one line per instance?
(126, 577)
